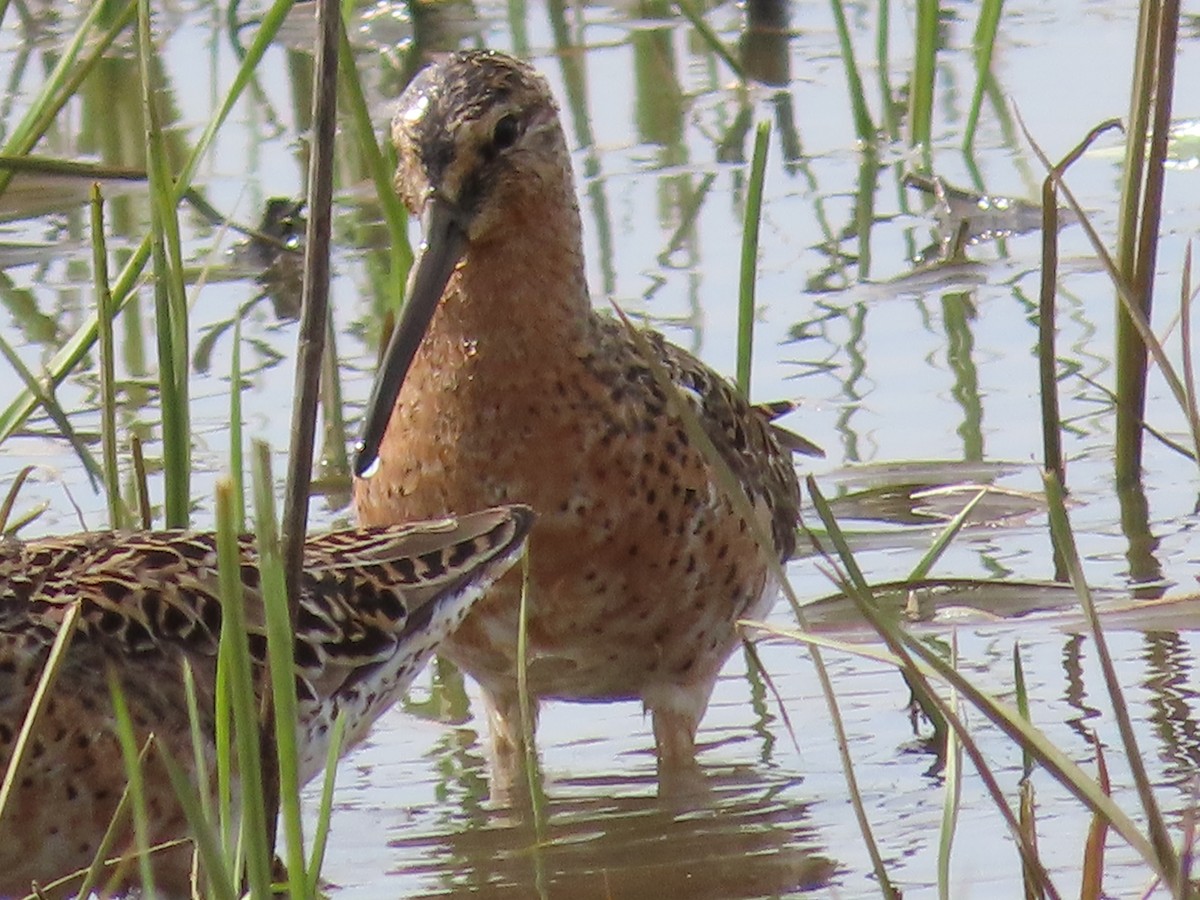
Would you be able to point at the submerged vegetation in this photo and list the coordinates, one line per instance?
(153, 157)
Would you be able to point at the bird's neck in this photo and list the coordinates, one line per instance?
(526, 280)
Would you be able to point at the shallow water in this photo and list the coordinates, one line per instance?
(890, 369)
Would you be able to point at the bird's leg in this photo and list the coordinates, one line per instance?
(507, 741)
(676, 717)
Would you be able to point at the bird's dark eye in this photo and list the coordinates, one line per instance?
(505, 133)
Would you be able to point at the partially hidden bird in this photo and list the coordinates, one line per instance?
(501, 383)
(374, 604)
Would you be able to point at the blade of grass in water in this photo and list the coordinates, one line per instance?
(942, 542)
(363, 132)
(79, 344)
(63, 82)
(314, 312)
(281, 663)
(236, 460)
(117, 518)
(170, 297)
(1027, 816)
(235, 648)
(196, 728)
(1092, 887)
(985, 41)
(911, 653)
(224, 740)
(882, 26)
(749, 269)
(710, 38)
(863, 126)
(1139, 268)
(140, 483)
(1026, 798)
(1022, 701)
(920, 102)
(1130, 355)
(1159, 838)
(55, 411)
(280, 766)
(952, 789)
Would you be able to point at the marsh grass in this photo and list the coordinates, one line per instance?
(1151, 96)
(929, 675)
(234, 841)
(749, 266)
(42, 110)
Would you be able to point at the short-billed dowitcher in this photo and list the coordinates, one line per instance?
(502, 384)
(374, 604)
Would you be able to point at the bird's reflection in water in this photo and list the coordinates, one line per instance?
(611, 837)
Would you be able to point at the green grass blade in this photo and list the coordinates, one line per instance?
(1167, 858)
(115, 826)
(207, 840)
(196, 730)
(41, 693)
(926, 563)
(122, 290)
(170, 298)
(55, 411)
(223, 740)
(985, 42)
(749, 268)
(137, 791)
(281, 663)
(242, 692)
(236, 459)
(863, 126)
(203, 777)
(952, 789)
(337, 737)
(920, 103)
(1022, 700)
(63, 81)
(381, 170)
(882, 28)
(117, 515)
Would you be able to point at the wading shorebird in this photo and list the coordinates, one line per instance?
(374, 605)
(502, 384)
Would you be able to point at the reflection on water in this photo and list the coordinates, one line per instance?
(607, 837)
(413, 802)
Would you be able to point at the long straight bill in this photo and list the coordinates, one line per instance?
(444, 245)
